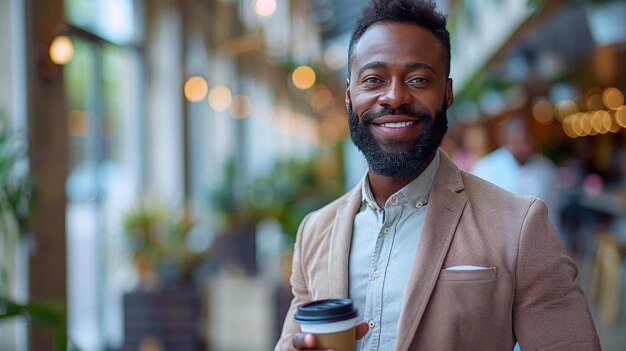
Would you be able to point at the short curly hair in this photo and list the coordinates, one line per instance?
(418, 12)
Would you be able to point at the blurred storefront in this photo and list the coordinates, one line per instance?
(560, 64)
(178, 142)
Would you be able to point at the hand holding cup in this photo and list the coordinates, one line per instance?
(329, 324)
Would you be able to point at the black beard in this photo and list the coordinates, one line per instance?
(398, 162)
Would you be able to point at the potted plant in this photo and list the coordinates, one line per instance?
(165, 309)
(159, 244)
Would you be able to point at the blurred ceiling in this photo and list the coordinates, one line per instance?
(336, 18)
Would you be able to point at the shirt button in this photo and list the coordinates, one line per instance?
(386, 230)
(419, 204)
(394, 201)
(376, 274)
(371, 324)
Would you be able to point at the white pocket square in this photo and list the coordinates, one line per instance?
(466, 268)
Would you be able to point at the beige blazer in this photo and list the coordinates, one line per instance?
(527, 294)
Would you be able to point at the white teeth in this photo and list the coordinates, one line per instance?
(397, 124)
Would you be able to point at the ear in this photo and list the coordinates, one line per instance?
(449, 94)
(347, 95)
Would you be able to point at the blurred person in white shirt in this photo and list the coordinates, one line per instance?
(516, 167)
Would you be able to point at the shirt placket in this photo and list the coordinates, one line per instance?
(378, 270)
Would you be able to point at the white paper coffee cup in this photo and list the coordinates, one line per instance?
(332, 321)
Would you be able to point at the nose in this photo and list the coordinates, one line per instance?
(396, 94)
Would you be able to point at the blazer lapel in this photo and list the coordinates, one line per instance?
(340, 240)
(445, 206)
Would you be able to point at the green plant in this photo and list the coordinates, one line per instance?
(293, 188)
(16, 186)
(15, 197)
(159, 239)
(296, 187)
(16, 207)
(47, 314)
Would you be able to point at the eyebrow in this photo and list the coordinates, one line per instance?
(412, 65)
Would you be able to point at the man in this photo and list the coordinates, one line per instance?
(517, 168)
(433, 257)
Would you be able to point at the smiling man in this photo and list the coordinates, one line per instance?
(434, 258)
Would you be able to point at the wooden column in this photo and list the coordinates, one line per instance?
(47, 114)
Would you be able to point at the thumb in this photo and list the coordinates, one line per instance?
(361, 329)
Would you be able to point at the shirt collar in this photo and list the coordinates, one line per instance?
(416, 192)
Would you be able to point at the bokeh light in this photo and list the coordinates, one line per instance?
(607, 121)
(335, 57)
(565, 108)
(567, 129)
(195, 88)
(303, 77)
(543, 111)
(265, 7)
(612, 98)
(585, 122)
(61, 50)
(620, 116)
(321, 99)
(241, 106)
(220, 98)
(594, 102)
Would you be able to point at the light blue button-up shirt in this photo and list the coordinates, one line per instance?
(384, 245)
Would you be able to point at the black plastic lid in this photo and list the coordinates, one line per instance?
(325, 311)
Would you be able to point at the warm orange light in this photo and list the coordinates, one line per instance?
(303, 77)
(607, 121)
(620, 116)
(321, 99)
(594, 102)
(612, 98)
(576, 124)
(241, 106)
(265, 7)
(586, 123)
(61, 50)
(615, 127)
(565, 108)
(220, 98)
(567, 126)
(195, 89)
(543, 112)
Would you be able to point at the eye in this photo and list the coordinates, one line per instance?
(372, 80)
(418, 81)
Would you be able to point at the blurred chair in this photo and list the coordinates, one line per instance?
(606, 279)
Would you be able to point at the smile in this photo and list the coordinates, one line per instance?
(397, 124)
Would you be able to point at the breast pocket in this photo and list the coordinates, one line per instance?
(478, 274)
(466, 299)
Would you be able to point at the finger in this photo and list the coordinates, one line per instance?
(303, 341)
(361, 329)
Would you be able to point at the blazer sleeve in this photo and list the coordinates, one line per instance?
(550, 311)
(299, 290)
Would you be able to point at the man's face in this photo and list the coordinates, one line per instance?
(397, 97)
(521, 145)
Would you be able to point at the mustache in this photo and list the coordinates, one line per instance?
(370, 116)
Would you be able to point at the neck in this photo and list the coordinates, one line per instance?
(384, 186)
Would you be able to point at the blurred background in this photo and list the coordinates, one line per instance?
(156, 156)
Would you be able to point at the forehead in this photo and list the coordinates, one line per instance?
(394, 42)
